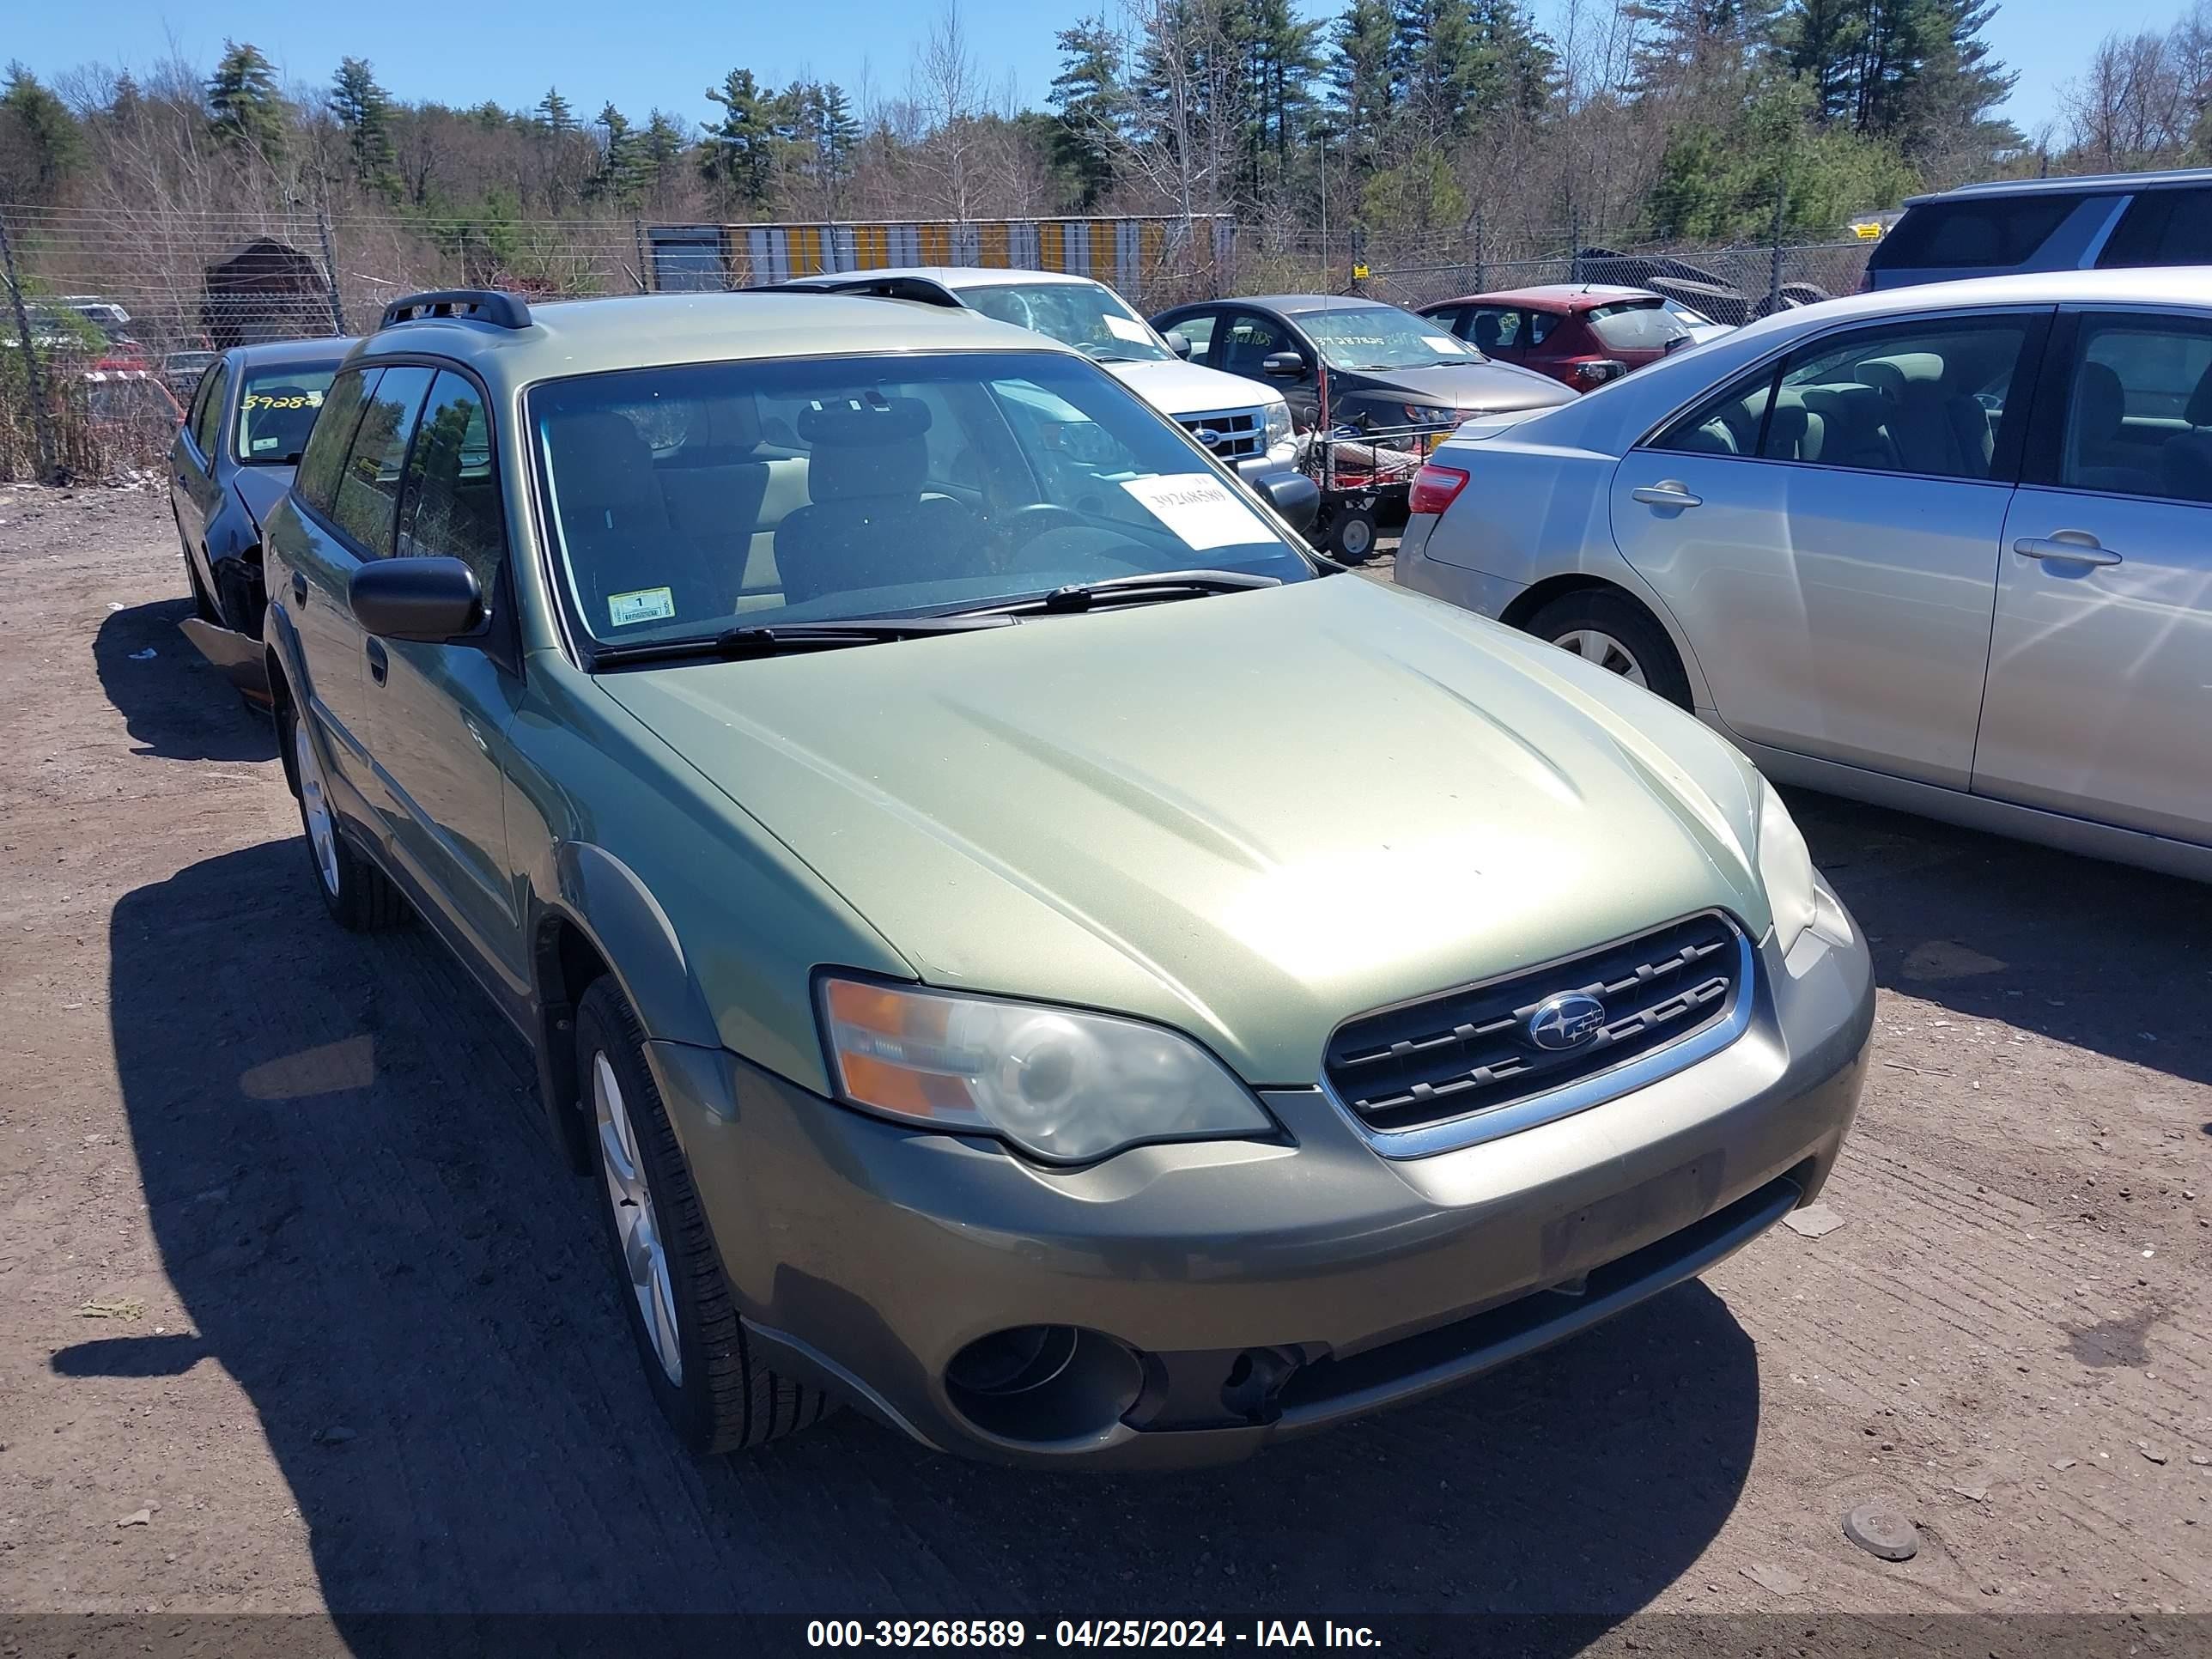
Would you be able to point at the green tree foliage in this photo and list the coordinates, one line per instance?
(738, 154)
(40, 142)
(1360, 83)
(362, 110)
(1723, 181)
(244, 109)
(621, 177)
(553, 114)
(1092, 107)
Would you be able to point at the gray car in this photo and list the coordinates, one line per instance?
(1946, 548)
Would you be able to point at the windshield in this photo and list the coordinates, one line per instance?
(689, 500)
(278, 411)
(1383, 337)
(1088, 316)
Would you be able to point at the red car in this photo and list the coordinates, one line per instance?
(1582, 333)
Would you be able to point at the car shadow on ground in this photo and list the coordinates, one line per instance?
(2101, 955)
(357, 1203)
(172, 702)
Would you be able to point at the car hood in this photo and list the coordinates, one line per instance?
(260, 487)
(1484, 386)
(1175, 387)
(1248, 817)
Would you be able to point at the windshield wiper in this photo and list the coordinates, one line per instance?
(770, 639)
(1145, 585)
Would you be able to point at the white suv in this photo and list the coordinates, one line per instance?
(1243, 424)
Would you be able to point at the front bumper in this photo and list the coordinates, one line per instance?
(867, 1256)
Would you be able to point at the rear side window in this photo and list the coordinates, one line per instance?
(2162, 228)
(317, 481)
(1634, 325)
(1728, 423)
(452, 485)
(368, 487)
(1999, 231)
(1921, 397)
(207, 418)
(1494, 328)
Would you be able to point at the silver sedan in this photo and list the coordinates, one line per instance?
(1944, 549)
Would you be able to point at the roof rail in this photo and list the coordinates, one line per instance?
(483, 305)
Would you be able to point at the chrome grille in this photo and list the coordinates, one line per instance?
(1243, 432)
(1471, 1050)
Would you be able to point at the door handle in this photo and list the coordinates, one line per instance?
(2066, 547)
(299, 588)
(379, 664)
(1666, 493)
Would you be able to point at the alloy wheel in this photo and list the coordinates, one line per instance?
(637, 1228)
(1607, 652)
(315, 807)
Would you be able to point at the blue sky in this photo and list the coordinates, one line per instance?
(667, 52)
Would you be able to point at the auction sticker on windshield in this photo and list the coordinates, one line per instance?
(645, 605)
(1199, 509)
(1126, 328)
(1443, 343)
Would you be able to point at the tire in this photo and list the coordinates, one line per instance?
(714, 1389)
(203, 606)
(1351, 535)
(1609, 628)
(360, 898)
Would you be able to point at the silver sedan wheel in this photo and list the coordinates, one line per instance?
(1605, 652)
(315, 806)
(637, 1228)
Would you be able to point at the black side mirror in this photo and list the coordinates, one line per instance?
(1283, 365)
(427, 600)
(1294, 496)
(1179, 342)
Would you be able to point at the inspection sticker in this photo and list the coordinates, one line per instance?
(645, 604)
(1126, 328)
(1198, 508)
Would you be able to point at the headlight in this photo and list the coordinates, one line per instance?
(1065, 1086)
(1279, 423)
(1785, 870)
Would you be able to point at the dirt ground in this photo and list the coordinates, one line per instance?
(298, 1312)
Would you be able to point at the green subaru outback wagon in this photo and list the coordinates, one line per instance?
(1013, 940)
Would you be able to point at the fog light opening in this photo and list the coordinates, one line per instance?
(1044, 1383)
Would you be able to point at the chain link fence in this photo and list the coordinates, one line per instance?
(111, 314)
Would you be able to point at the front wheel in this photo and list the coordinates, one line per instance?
(698, 1362)
(1618, 634)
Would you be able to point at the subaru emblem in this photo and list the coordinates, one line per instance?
(1566, 1021)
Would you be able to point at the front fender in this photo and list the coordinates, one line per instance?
(603, 898)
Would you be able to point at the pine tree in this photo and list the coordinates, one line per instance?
(1818, 43)
(661, 153)
(1515, 70)
(363, 109)
(1695, 46)
(620, 178)
(39, 139)
(1092, 104)
(1431, 47)
(245, 107)
(553, 113)
(738, 154)
(1360, 79)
